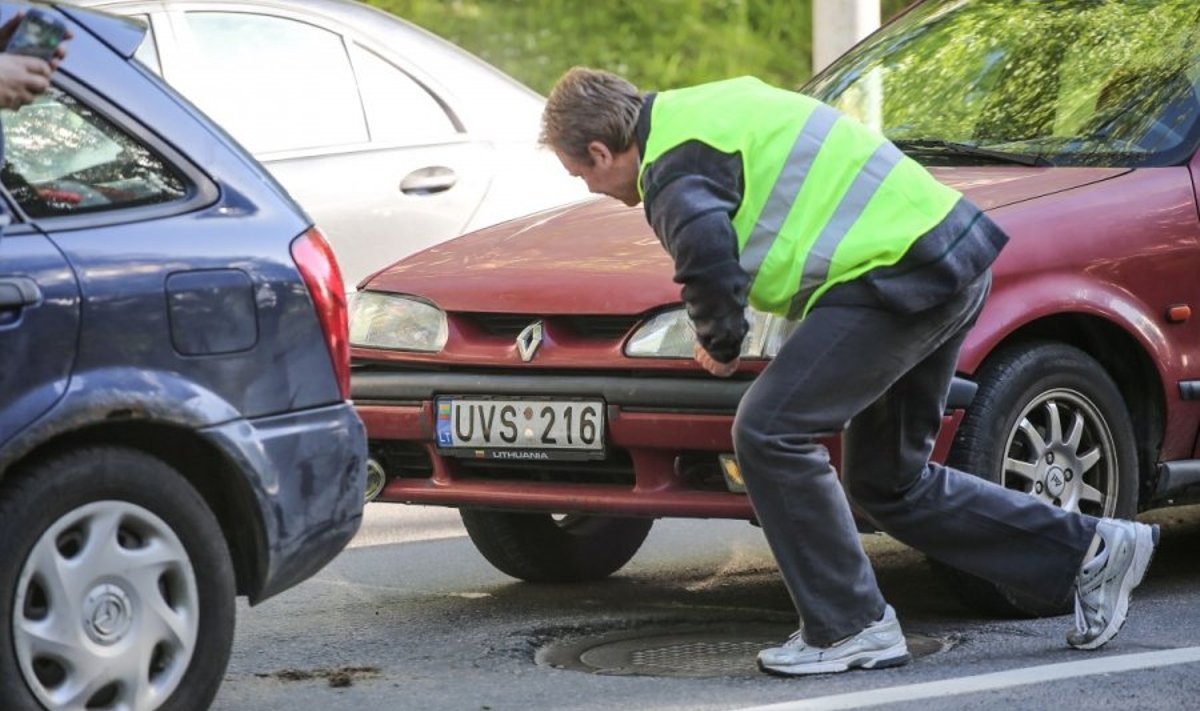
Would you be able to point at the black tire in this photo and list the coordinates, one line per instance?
(539, 548)
(1021, 383)
(185, 577)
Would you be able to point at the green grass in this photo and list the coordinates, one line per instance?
(656, 44)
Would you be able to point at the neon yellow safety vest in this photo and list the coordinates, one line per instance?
(825, 197)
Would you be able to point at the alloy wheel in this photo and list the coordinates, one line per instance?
(1061, 450)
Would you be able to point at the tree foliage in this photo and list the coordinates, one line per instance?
(656, 44)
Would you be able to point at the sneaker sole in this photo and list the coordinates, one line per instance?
(892, 657)
(1143, 553)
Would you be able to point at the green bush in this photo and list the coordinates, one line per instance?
(654, 43)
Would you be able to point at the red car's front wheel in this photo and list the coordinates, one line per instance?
(1050, 422)
(543, 548)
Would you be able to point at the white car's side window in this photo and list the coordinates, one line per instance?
(399, 110)
(272, 82)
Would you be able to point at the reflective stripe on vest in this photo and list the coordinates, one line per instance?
(854, 202)
(822, 203)
(786, 188)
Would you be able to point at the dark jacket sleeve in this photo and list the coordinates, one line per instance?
(692, 192)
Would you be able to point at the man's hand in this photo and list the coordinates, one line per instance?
(21, 79)
(721, 370)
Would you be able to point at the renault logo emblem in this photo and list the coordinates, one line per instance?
(529, 340)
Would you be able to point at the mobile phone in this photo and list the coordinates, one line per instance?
(38, 35)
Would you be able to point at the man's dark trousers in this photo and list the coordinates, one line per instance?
(886, 375)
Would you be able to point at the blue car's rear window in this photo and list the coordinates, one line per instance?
(63, 158)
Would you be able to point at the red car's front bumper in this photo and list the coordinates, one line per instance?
(663, 437)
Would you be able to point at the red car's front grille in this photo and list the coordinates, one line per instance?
(509, 325)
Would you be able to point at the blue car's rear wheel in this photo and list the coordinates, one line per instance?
(117, 588)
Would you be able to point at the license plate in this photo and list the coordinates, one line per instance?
(487, 424)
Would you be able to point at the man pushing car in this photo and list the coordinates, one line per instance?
(772, 198)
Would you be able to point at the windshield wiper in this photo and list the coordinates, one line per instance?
(940, 147)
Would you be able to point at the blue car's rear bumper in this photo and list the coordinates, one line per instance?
(307, 472)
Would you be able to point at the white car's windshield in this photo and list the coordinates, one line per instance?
(1065, 82)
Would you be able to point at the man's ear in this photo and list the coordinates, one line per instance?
(599, 154)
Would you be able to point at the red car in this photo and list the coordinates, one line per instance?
(538, 375)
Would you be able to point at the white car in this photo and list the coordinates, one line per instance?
(390, 137)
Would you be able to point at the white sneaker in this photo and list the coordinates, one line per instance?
(1105, 582)
(881, 644)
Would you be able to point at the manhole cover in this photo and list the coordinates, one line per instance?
(684, 650)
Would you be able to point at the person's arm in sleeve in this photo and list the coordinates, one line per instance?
(692, 194)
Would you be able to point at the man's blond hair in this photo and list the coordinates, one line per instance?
(590, 105)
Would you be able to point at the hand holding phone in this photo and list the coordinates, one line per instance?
(38, 35)
(32, 48)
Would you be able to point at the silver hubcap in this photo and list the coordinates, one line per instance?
(107, 612)
(1062, 452)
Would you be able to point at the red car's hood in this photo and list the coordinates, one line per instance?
(597, 257)
(990, 187)
(600, 257)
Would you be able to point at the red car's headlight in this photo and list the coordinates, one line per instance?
(396, 322)
(670, 335)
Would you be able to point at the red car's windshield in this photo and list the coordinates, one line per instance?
(1069, 82)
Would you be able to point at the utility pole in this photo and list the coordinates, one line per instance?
(838, 25)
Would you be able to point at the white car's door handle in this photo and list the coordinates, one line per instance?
(428, 181)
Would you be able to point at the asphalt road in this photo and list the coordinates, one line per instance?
(411, 617)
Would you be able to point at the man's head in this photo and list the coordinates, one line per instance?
(589, 121)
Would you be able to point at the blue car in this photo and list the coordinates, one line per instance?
(174, 419)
